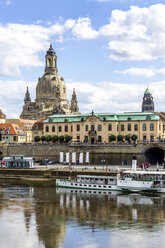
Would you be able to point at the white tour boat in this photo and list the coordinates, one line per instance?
(90, 182)
(130, 182)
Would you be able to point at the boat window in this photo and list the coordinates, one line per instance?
(94, 185)
(99, 186)
(84, 184)
(71, 183)
(80, 184)
(109, 186)
(89, 185)
(105, 186)
(99, 192)
(75, 184)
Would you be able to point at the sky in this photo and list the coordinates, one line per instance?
(109, 50)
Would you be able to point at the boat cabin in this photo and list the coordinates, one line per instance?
(96, 179)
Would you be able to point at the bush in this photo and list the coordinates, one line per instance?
(120, 137)
(61, 138)
(43, 138)
(55, 138)
(127, 137)
(134, 137)
(112, 137)
(49, 138)
(67, 138)
(37, 138)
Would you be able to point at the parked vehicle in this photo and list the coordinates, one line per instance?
(145, 165)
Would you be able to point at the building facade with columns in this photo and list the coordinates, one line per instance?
(97, 128)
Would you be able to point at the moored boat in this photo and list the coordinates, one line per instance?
(90, 182)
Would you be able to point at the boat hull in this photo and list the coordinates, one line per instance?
(75, 185)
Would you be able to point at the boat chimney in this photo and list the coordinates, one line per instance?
(134, 163)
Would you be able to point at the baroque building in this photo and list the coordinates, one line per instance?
(148, 103)
(51, 93)
(98, 128)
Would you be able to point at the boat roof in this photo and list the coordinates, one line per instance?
(145, 172)
(92, 176)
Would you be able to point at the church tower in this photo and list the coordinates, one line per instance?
(74, 103)
(27, 98)
(51, 61)
(51, 93)
(148, 103)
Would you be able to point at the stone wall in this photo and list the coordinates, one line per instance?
(112, 154)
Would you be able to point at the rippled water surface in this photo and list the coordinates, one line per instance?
(39, 215)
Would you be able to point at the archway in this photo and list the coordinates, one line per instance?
(154, 155)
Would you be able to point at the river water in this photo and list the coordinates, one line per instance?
(34, 215)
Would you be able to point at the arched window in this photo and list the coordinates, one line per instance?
(151, 127)
(135, 127)
(144, 127)
(66, 128)
(122, 127)
(47, 129)
(129, 127)
(53, 129)
(60, 129)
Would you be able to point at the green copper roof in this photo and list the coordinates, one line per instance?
(132, 116)
(147, 92)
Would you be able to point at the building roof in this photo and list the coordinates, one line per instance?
(38, 125)
(128, 116)
(11, 129)
(147, 91)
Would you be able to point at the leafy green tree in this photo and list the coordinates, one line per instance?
(49, 138)
(127, 137)
(120, 137)
(134, 137)
(55, 138)
(43, 138)
(61, 138)
(67, 138)
(112, 137)
(37, 138)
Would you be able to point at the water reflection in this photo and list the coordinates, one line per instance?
(39, 215)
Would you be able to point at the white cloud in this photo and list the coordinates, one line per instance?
(20, 44)
(101, 97)
(8, 3)
(114, 97)
(136, 34)
(82, 29)
(144, 72)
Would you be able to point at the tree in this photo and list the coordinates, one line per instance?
(37, 138)
(61, 138)
(127, 137)
(120, 137)
(134, 137)
(112, 137)
(43, 138)
(67, 138)
(55, 138)
(49, 138)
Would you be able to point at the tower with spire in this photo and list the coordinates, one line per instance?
(27, 98)
(148, 103)
(74, 103)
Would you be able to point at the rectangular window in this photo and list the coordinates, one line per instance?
(122, 127)
(92, 127)
(86, 139)
(78, 137)
(71, 128)
(86, 128)
(78, 127)
(60, 129)
(109, 127)
(99, 128)
(99, 138)
(129, 127)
